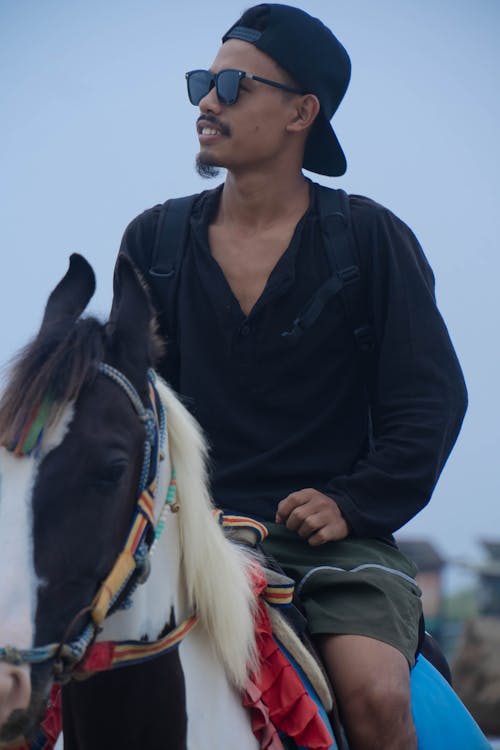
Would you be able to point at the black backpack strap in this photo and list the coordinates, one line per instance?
(314, 307)
(335, 220)
(168, 251)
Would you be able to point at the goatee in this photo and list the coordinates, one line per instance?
(205, 169)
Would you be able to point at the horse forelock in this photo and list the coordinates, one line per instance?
(56, 364)
(215, 570)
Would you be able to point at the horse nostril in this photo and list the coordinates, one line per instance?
(15, 689)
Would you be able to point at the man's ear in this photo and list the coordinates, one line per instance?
(306, 109)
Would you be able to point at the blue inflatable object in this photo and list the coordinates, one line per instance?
(441, 719)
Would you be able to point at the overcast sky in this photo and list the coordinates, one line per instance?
(95, 127)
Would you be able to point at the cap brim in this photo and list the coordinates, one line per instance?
(323, 153)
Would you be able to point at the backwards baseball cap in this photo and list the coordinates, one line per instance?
(313, 56)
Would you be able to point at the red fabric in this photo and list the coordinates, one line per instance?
(52, 724)
(99, 658)
(276, 698)
(262, 726)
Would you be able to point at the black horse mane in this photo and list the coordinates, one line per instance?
(57, 363)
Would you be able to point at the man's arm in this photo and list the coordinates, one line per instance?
(418, 395)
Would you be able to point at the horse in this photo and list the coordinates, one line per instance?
(79, 438)
(111, 555)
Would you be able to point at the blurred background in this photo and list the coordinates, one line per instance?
(96, 127)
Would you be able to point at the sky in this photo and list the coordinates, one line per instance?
(96, 126)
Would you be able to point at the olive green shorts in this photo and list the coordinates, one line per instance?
(355, 586)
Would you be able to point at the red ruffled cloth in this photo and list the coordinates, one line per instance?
(276, 698)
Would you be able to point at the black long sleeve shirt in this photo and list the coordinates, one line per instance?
(282, 416)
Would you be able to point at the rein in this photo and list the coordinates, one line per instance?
(132, 566)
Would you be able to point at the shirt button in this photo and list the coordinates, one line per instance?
(245, 330)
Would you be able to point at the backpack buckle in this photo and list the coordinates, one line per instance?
(349, 275)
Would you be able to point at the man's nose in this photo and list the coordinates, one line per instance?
(210, 102)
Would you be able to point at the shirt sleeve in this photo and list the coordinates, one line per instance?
(418, 392)
(138, 239)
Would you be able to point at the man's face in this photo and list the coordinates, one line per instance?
(252, 131)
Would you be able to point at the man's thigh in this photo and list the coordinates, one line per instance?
(357, 587)
(356, 662)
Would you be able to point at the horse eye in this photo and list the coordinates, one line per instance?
(109, 475)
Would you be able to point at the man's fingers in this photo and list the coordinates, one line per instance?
(310, 525)
(331, 531)
(323, 535)
(298, 516)
(286, 506)
(313, 515)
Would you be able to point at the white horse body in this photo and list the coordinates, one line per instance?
(194, 568)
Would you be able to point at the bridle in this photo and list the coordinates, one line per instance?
(132, 565)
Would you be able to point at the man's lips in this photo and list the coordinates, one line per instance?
(209, 129)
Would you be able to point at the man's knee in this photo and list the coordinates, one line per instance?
(379, 719)
(372, 682)
(382, 704)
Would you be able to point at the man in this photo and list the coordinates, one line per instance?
(296, 440)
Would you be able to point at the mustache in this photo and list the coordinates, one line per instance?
(224, 129)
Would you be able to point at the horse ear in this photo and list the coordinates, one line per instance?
(71, 296)
(130, 319)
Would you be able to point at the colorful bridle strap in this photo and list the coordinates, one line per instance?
(133, 559)
(127, 561)
(106, 655)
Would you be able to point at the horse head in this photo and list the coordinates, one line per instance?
(70, 465)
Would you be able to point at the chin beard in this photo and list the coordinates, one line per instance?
(205, 169)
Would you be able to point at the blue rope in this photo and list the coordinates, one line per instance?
(74, 650)
(146, 415)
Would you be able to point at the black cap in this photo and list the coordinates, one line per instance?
(313, 56)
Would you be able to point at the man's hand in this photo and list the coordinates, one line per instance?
(314, 516)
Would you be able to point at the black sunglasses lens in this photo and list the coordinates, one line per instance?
(199, 83)
(228, 85)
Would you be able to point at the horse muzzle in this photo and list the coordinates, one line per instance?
(15, 689)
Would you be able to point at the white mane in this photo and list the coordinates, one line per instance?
(215, 570)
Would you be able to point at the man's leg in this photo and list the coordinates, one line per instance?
(366, 588)
(372, 683)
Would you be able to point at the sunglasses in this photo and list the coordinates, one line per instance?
(227, 85)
